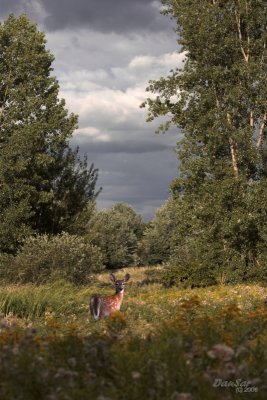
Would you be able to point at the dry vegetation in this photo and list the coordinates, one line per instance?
(164, 344)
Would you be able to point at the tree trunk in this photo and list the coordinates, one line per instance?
(261, 130)
(233, 149)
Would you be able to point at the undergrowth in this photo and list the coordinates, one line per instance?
(164, 344)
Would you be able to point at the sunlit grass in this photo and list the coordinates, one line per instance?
(163, 342)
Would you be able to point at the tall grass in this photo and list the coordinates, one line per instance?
(33, 302)
(166, 344)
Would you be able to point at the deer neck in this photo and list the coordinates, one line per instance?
(119, 296)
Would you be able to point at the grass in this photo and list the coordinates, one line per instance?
(164, 344)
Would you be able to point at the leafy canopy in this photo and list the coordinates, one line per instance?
(43, 183)
(219, 101)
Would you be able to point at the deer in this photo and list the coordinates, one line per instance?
(102, 306)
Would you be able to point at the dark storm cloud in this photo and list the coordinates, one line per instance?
(104, 15)
(129, 147)
(137, 179)
(97, 15)
(7, 5)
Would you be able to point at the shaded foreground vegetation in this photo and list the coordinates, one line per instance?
(165, 344)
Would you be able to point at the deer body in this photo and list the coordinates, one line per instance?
(102, 306)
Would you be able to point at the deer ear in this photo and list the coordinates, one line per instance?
(112, 278)
(127, 277)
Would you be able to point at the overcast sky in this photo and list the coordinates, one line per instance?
(105, 52)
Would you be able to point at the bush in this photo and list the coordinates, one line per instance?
(158, 238)
(188, 267)
(258, 271)
(6, 270)
(64, 256)
(117, 231)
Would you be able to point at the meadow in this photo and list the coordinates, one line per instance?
(165, 343)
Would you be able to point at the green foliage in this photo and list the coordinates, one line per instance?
(63, 256)
(220, 235)
(116, 231)
(188, 267)
(219, 101)
(44, 185)
(157, 241)
(33, 302)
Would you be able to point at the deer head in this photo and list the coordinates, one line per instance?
(119, 283)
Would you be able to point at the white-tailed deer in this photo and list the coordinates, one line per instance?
(102, 305)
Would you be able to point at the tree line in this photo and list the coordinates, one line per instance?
(213, 227)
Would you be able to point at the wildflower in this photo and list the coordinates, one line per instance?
(227, 337)
(116, 322)
(221, 352)
(117, 315)
(136, 375)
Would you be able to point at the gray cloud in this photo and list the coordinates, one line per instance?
(98, 15)
(104, 15)
(137, 179)
(132, 171)
(128, 147)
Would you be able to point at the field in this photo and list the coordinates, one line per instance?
(164, 344)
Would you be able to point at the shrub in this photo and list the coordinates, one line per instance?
(64, 256)
(158, 238)
(258, 272)
(188, 267)
(117, 231)
(6, 261)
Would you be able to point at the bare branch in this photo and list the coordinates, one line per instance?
(251, 119)
(233, 149)
(238, 24)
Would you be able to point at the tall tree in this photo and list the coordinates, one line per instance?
(116, 231)
(43, 183)
(219, 100)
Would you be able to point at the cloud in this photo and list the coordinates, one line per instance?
(138, 178)
(34, 8)
(108, 99)
(98, 15)
(102, 146)
(135, 165)
(104, 15)
(85, 49)
(148, 61)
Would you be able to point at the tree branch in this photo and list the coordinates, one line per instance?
(238, 24)
(251, 119)
(233, 149)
